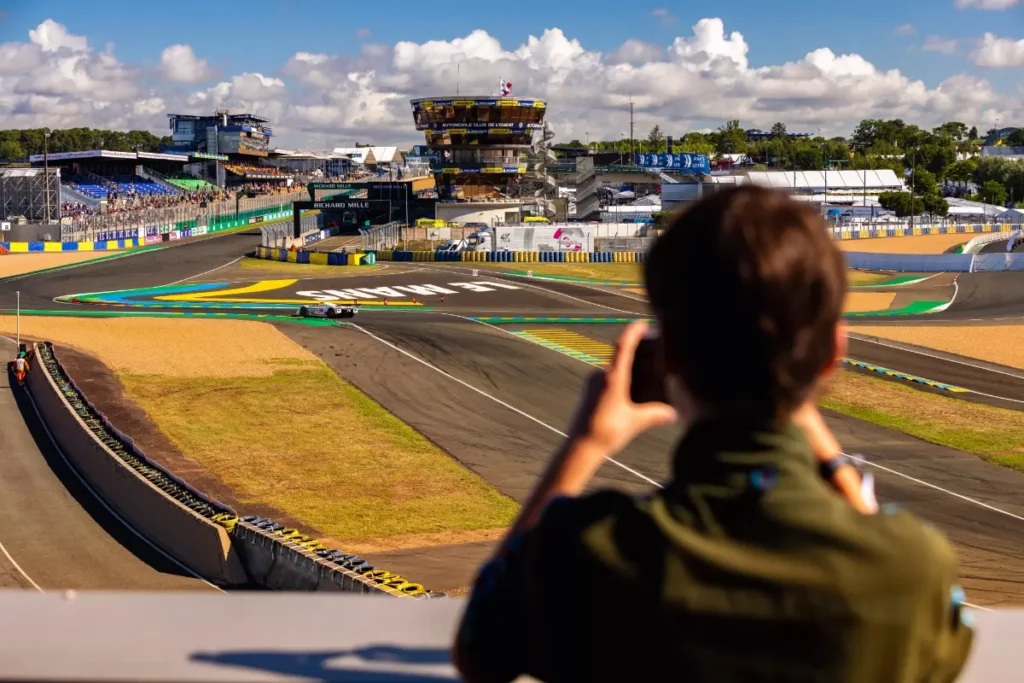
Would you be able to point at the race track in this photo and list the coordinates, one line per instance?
(497, 394)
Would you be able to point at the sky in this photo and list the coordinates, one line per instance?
(329, 73)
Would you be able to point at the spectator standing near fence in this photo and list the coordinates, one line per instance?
(764, 558)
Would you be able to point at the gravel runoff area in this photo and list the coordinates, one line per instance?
(19, 264)
(271, 428)
(1002, 344)
(915, 244)
(860, 302)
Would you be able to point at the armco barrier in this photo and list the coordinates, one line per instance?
(157, 504)
(335, 259)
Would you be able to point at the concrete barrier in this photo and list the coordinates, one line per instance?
(196, 542)
(276, 564)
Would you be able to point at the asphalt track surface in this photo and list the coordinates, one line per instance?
(499, 403)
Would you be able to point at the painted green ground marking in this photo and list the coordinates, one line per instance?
(915, 308)
(514, 320)
(173, 314)
(894, 281)
(105, 257)
(565, 278)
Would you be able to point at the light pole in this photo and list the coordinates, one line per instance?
(46, 173)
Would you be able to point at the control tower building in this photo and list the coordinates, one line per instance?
(490, 157)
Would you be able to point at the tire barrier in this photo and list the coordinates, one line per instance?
(389, 255)
(102, 245)
(285, 559)
(167, 511)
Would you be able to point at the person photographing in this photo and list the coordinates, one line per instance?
(764, 557)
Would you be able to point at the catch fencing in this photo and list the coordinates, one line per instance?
(154, 221)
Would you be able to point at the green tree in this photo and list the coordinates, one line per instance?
(993, 192)
(925, 183)
(11, 150)
(955, 131)
(1015, 139)
(809, 158)
(937, 158)
(778, 129)
(973, 134)
(694, 143)
(901, 203)
(936, 205)
(961, 171)
(656, 139)
(731, 138)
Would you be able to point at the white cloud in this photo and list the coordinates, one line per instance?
(996, 52)
(179, 64)
(664, 15)
(905, 29)
(321, 99)
(51, 36)
(946, 46)
(988, 4)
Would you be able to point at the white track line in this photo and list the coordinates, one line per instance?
(879, 342)
(102, 502)
(212, 270)
(857, 458)
(493, 398)
(3, 549)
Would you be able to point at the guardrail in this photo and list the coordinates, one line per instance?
(516, 256)
(973, 245)
(200, 532)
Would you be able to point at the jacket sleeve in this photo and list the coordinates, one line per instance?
(953, 632)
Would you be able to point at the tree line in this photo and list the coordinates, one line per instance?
(936, 162)
(18, 145)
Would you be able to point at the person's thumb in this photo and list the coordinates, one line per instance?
(656, 414)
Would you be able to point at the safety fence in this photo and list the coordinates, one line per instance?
(272, 555)
(515, 256)
(875, 231)
(936, 263)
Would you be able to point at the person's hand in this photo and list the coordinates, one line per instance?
(857, 490)
(606, 418)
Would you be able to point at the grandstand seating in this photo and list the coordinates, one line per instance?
(123, 184)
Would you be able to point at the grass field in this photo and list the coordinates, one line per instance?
(995, 434)
(269, 419)
(1003, 344)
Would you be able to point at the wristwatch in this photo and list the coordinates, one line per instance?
(828, 468)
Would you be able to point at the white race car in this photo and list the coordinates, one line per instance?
(327, 309)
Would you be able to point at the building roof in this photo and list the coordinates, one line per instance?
(834, 180)
(370, 155)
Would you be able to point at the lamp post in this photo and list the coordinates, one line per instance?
(46, 173)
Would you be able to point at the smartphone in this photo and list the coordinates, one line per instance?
(647, 383)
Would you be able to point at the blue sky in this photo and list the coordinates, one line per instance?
(225, 32)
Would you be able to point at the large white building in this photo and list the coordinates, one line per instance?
(835, 187)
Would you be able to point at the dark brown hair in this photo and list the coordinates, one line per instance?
(748, 288)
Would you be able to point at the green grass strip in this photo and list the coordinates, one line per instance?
(913, 308)
(894, 282)
(514, 320)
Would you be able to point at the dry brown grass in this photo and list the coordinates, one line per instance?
(1003, 344)
(269, 419)
(176, 348)
(997, 434)
(858, 302)
(915, 244)
(19, 264)
(310, 444)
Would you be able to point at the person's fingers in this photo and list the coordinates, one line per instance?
(621, 368)
(656, 415)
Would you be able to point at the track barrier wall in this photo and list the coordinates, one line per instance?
(369, 258)
(156, 503)
(105, 245)
(936, 263)
(200, 532)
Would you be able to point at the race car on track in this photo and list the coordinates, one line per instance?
(327, 309)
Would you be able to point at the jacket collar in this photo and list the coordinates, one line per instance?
(715, 449)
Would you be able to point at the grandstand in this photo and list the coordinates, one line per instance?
(96, 187)
(191, 184)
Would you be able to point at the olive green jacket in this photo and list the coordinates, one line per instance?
(747, 566)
